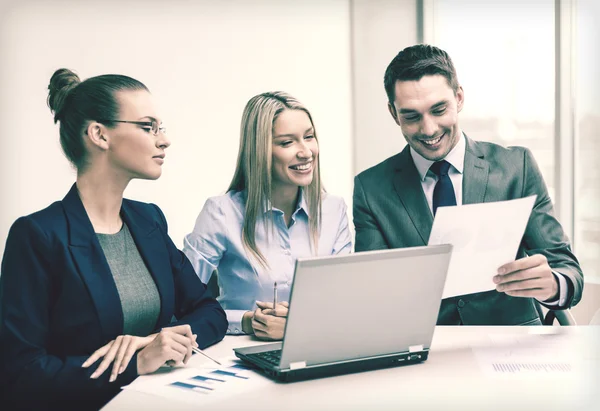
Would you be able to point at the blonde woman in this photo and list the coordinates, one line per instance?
(275, 210)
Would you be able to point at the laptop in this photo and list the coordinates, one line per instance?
(357, 312)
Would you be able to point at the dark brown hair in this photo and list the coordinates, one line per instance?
(417, 61)
(75, 103)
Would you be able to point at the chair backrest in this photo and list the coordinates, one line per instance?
(564, 317)
(213, 284)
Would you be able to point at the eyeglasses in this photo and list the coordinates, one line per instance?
(153, 126)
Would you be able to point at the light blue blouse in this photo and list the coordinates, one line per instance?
(216, 242)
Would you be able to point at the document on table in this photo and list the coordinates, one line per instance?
(529, 356)
(200, 385)
(484, 237)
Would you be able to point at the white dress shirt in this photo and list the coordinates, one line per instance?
(456, 158)
(216, 242)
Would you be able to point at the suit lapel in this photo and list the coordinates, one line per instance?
(151, 246)
(475, 174)
(92, 266)
(408, 186)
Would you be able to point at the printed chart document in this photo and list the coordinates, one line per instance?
(200, 385)
(485, 236)
(552, 355)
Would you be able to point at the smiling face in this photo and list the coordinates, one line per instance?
(133, 150)
(295, 150)
(427, 112)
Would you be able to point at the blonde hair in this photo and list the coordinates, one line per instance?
(253, 169)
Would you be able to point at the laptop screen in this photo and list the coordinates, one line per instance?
(364, 304)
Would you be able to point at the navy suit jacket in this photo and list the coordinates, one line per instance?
(391, 211)
(59, 303)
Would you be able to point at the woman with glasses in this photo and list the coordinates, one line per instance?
(89, 285)
(275, 210)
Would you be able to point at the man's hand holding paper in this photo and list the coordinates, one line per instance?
(528, 277)
(486, 237)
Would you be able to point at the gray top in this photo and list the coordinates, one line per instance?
(139, 296)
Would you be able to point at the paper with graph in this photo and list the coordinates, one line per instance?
(528, 356)
(484, 237)
(200, 385)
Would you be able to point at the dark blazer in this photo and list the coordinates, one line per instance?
(59, 303)
(391, 211)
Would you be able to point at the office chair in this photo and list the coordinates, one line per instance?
(564, 317)
(213, 284)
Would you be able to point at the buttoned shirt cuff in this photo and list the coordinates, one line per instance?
(563, 289)
(234, 317)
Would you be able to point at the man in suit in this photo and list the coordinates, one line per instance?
(395, 201)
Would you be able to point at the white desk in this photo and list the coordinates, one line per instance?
(451, 379)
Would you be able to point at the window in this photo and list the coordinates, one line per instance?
(587, 147)
(504, 54)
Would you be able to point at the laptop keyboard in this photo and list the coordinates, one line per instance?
(272, 357)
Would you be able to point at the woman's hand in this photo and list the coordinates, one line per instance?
(281, 310)
(269, 323)
(173, 345)
(119, 352)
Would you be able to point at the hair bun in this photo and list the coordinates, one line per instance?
(61, 83)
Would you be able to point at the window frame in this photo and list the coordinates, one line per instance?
(565, 109)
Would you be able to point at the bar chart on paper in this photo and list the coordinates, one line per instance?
(517, 356)
(201, 385)
(210, 382)
(531, 367)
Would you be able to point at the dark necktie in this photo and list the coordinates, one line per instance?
(443, 193)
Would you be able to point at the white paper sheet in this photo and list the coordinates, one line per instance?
(529, 356)
(485, 236)
(200, 385)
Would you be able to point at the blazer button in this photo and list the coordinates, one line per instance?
(461, 303)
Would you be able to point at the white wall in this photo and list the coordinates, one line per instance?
(201, 59)
(380, 29)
